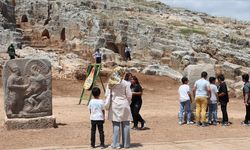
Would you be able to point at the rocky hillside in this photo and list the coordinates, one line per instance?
(164, 40)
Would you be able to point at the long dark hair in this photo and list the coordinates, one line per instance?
(136, 80)
(127, 75)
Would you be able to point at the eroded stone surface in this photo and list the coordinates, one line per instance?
(31, 123)
(193, 72)
(27, 88)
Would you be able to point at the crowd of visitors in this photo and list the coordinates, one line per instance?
(208, 95)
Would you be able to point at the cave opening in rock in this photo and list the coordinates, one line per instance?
(24, 18)
(13, 2)
(46, 33)
(63, 36)
(116, 47)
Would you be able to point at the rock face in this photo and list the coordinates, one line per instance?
(8, 34)
(156, 33)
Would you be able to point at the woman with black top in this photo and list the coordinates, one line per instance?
(136, 102)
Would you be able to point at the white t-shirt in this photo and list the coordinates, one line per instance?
(214, 91)
(183, 92)
(127, 49)
(96, 106)
(201, 87)
(97, 54)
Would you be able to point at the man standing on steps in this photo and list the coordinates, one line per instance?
(201, 93)
(127, 52)
(12, 52)
(98, 56)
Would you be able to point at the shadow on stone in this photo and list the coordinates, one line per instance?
(60, 124)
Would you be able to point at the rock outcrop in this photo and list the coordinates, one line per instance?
(168, 38)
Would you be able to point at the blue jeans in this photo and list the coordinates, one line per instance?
(124, 128)
(185, 106)
(212, 112)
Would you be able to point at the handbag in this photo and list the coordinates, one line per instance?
(108, 101)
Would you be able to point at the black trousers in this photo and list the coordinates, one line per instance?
(224, 112)
(127, 55)
(98, 60)
(99, 124)
(247, 117)
(12, 57)
(135, 109)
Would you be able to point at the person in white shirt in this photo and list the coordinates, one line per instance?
(201, 93)
(97, 115)
(127, 52)
(185, 101)
(98, 56)
(212, 107)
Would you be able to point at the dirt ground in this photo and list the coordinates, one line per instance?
(160, 108)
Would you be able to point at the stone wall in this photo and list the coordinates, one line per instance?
(8, 12)
(8, 33)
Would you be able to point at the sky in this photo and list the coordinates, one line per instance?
(238, 9)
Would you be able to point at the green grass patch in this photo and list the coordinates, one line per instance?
(189, 31)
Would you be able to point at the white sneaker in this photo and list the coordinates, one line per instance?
(180, 123)
(190, 122)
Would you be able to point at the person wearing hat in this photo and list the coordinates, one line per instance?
(118, 99)
(12, 52)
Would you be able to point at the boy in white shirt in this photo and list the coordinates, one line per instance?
(97, 115)
(212, 107)
(185, 101)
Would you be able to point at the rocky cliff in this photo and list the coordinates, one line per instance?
(164, 40)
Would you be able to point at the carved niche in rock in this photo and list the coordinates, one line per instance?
(27, 88)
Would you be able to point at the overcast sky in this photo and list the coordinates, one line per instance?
(239, 9)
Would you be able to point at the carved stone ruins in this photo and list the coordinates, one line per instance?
(28, 94)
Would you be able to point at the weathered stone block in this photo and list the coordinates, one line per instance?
(193, 72)
(231, 70)
(162, 71)
(27, 88)
(30, 123)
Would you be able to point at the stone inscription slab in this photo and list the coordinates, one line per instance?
(27, 88)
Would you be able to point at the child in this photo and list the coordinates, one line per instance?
(185, 101)
(97, 115)
(212, 112)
